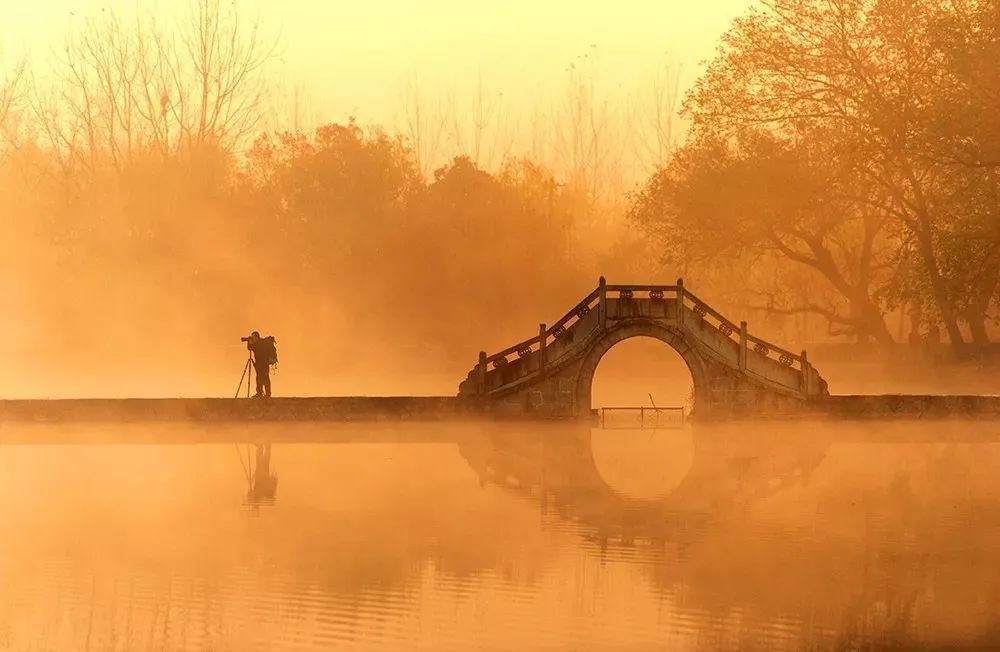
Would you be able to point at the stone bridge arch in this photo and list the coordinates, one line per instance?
(735, 373)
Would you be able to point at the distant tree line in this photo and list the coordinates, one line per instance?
(842, 161)
(143, 197)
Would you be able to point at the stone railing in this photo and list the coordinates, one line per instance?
(670, 303)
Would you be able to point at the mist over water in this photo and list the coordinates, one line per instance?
(829, 174)
(450, 536)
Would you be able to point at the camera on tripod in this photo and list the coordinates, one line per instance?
(246, 338)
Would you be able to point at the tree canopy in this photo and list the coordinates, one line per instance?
(848, 136)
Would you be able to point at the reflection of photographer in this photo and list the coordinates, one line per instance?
(263, 483)
(265, 354)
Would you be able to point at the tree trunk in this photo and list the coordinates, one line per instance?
(940, 292)
(979, 307)
(977, 326)
(975, 317)
(872, 322)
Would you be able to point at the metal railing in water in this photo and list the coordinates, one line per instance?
(649, 417)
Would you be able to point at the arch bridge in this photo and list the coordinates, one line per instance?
(734, 373)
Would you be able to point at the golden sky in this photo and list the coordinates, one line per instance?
(353, 57)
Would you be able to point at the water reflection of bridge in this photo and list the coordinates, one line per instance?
(563, 474)
(881, 556)
(867, 568)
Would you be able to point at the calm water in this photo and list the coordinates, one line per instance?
(509, 537)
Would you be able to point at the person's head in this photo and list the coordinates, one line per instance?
(255, 335)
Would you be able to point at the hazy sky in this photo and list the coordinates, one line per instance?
(354, 57)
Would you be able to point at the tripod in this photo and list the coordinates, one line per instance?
(247, 372)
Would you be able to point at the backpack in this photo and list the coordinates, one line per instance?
(269, 350)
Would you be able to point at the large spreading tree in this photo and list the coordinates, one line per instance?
(850, 136)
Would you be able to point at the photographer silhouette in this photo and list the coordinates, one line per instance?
(265, 354)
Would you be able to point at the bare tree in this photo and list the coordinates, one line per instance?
(591, 135)
(99, 73)
(656, 117)
(218, 86)
(424, 125)
(485, 134)
(11, 96)
(124, 87)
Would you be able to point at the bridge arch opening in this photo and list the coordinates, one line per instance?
(642, 371)
(666, 335)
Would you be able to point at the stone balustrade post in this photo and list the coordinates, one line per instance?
(602, 303)
(680, 301)
(541, 347)
(481, 372)
(805, 373)
(743, 346)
